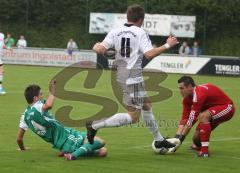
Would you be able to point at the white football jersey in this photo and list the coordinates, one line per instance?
(130, 43)
(1, 43)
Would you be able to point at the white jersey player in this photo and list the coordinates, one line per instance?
(131, 43)
(2, 91)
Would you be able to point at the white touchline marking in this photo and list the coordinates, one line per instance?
(220, 156)
(213, 140)
(144, 147)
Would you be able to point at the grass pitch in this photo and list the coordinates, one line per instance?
(128, 147)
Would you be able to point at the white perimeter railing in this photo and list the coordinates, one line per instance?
(170, 63)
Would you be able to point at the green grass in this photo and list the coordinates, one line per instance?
(129, 147)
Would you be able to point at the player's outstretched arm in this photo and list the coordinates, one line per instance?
(99, 48)
(20, 136)
(171, 41)
(50, 100)
(180, 129)
(186, 130)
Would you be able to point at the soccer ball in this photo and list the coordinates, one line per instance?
(110, 53)
(161, 151)
(175, 141)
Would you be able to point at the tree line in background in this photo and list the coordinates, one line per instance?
(51, 23)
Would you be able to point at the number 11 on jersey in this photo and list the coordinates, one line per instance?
(125, 47)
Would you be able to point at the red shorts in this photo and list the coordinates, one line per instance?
(220, 114)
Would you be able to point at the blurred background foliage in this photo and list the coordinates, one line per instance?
(51, 23)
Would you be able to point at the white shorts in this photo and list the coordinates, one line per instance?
(134, 94)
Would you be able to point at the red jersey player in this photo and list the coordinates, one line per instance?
(209, 104)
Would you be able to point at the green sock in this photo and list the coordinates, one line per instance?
(87, 148)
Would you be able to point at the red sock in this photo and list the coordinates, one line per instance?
(205, 132)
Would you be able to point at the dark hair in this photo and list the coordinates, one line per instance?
(187, 80)
(30, 92)
(135, 12)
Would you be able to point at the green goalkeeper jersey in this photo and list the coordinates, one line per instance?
(44, 125)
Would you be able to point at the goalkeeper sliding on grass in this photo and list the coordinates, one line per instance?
(71, 143)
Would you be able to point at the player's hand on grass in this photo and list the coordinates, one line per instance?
(69, 156)
(52, 86)
(61, 154)
(172, 41)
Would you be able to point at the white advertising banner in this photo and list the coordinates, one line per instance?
(154, 24)
(104, 22)
(48, 57)
(157, 24)
(177, 64)
(183, 26)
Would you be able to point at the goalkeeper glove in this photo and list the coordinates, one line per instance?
(180, 137)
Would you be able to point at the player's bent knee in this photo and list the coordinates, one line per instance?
(135, 116)
(147, 106)
(204, 117)
(102, 152)
(100, 140)
(103, 142)
(135, 119)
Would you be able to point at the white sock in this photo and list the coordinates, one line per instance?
(116, 120)
(152, 125)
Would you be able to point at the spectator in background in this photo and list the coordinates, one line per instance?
(22, 43)
(184, 49)
(2, 46)
(195, 50)
(71, 46)
(9, 41)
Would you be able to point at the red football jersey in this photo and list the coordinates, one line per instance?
(204, 96)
